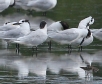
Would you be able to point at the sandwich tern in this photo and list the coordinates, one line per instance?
(69, 36)
(34, 38)
(55, 28)
(85, 23)
(17, 32)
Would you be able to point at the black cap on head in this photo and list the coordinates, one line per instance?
(26, 20)
(42, 24)
(64, 25)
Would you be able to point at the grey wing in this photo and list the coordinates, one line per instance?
(6, 28)
(15, 33)
(33, 38)
(69, 36)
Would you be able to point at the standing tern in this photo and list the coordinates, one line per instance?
(18, 32)
(69, 36)
(55, 28)
(34, 38)
(85, 23)
(13, 34)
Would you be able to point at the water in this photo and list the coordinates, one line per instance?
(49, 68)
(57, 66)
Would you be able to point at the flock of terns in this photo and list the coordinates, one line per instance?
(20, 33)
(59, 31)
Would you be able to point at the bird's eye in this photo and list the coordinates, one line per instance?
(22, 21)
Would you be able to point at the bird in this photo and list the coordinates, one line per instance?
(11, 35)
(34, 21)
(41, 6)
(34, 38)
(21, 4)
(4, 4)
(17, 32)
(85, 24)
(37, 5)
(12, 3)
(69, 36)
(89, 70)
(6, 27)
(55, 27)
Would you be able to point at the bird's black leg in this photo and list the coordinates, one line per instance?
(30, 12)
(34, 49)
(69, 48)
(44, 14)
(17, 48)
(80, 49)
(49, 44)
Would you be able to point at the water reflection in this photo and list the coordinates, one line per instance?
(47, 65)
(70, 63)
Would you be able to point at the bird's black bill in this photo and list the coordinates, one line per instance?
(16, 23)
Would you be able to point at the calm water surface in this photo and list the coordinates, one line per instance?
(57, 66)
(49, 67)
